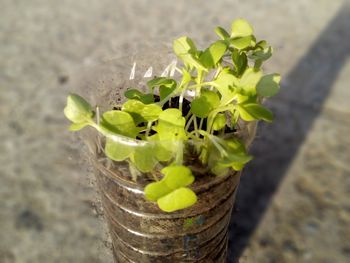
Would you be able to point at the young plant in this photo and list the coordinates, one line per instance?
(199, 114)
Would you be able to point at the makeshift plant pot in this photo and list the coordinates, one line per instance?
(171, 141)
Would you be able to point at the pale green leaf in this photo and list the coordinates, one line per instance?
(171, 125)
(222, 33)
(242, 42)
(249, 80)
(78, 126)
(219, 122)
(191, 61)
(226, 84)
(184, 45)
(142, 112)
(117, 151)
(163, 150)
(77, 110)
(144, 158)
(156, 190)
(269, 85)
(177, 176)
(177, 200)
(241, 28)
(212, 55)
(119, 122)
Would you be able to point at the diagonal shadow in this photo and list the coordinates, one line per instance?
(307, 86)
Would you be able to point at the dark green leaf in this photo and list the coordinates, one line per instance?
(262, 55)
(252, 111)
(240, 61)
(138, 95)
(164, 91)
(161, 81)
(269, 85)
(203, 105)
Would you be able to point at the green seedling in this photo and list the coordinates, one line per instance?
(229, 85)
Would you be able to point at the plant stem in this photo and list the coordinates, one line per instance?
(189, 122)
(149, 126)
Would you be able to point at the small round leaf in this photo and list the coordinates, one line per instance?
(177, 200)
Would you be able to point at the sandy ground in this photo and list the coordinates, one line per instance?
(293, 204)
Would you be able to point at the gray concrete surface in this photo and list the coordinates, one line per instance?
(293, 204)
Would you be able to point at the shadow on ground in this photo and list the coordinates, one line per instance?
(304, 91)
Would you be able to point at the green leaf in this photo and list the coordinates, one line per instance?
(164, 91)
(171, 125)
(78, 126)
(241, 28)
(144, 158)
(242, 42)
(226, 83)
(117, 151)
(163, 150)
(185, 49)
(269, 85)
(184, 45)
(249, 80)
(222, 33)
(253, 111)
(219, 170)
(203, 105)
(138, 95)
(236, 155)
(191, 61)
(161, 81)
(219, 122)
(77, 110)
(186, 77)
(156, 190)
(119, 122)
(212, 55)
(261, 54)
(177, 176)
(142, 112)
(177, 200)
(240, 61)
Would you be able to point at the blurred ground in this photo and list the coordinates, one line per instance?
(293, 204)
